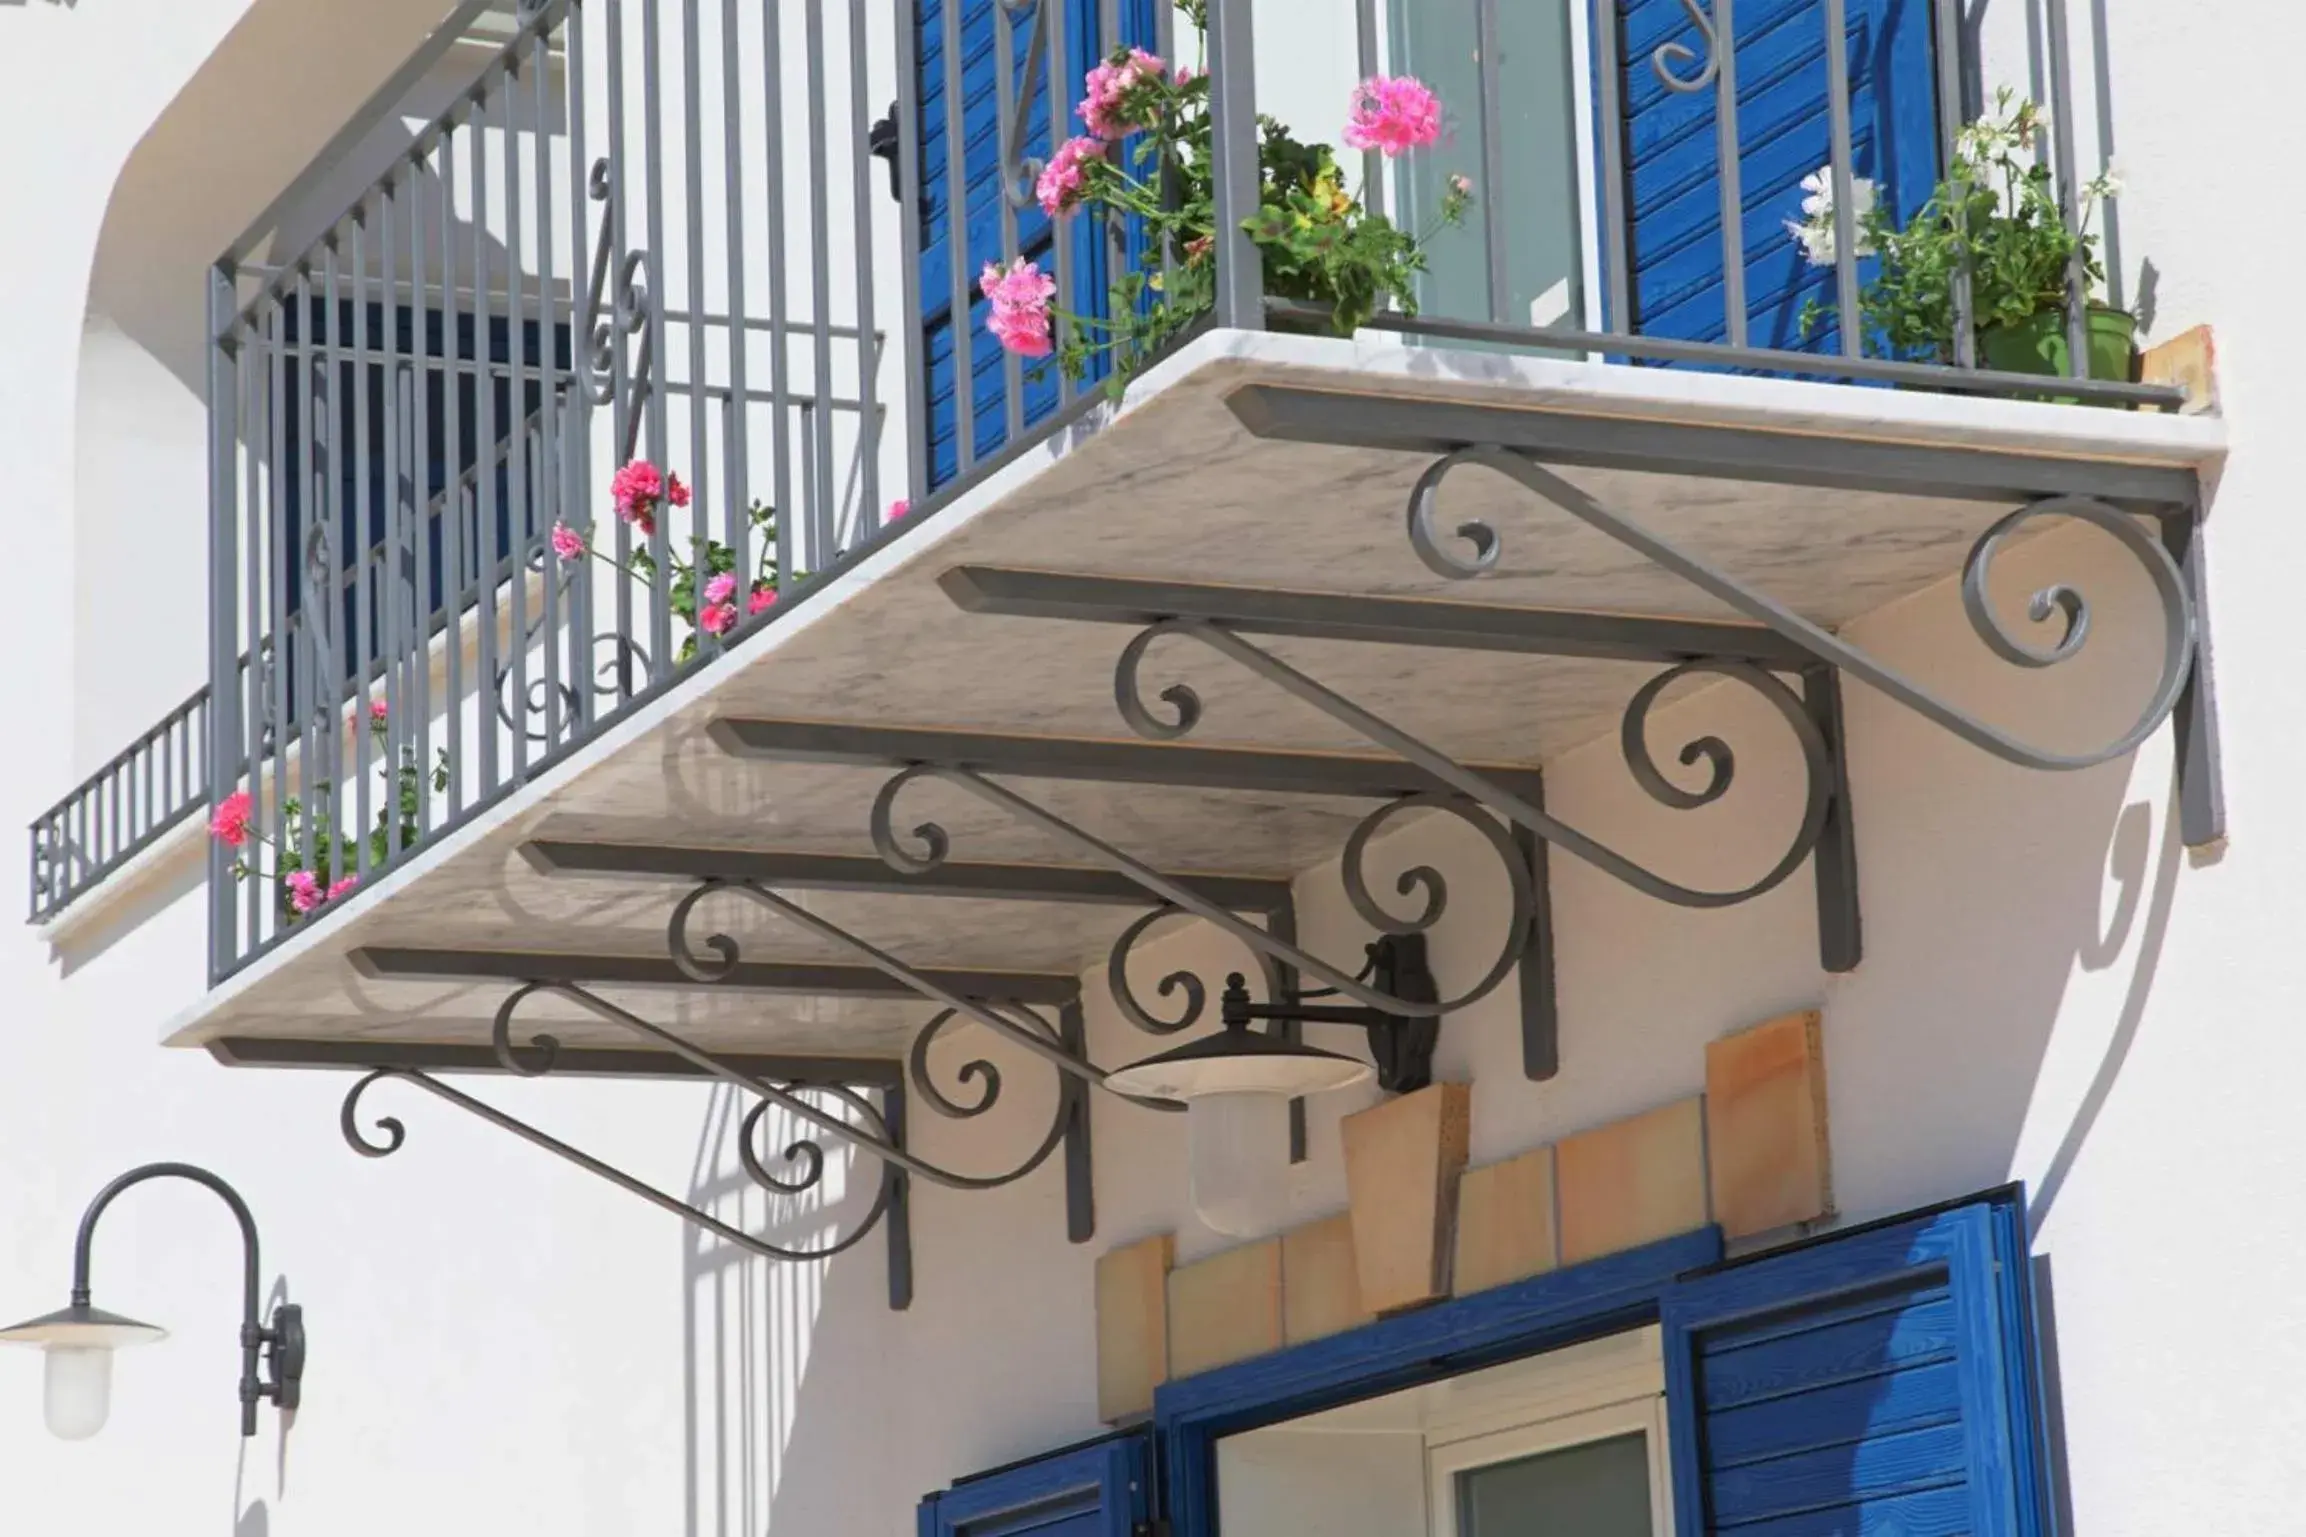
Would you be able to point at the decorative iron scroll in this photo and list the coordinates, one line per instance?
(530, 712)
(935, 844)
(1667, 54)
(1019, 173)
(629, 313)
(1721, 761)
(2058, 600)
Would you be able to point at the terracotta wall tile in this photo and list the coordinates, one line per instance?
(1633, 1181)
(1766, 1141)
(1505, 1226)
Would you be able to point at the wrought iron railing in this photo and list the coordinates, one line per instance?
(651, 230)
(122, 809)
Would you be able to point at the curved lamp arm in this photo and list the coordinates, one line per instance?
(285, 1338)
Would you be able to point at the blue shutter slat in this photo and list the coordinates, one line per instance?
(1871, 1385)
(1103, 1489)
(1672, 181)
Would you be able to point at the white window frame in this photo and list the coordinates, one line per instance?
(1445, 1459)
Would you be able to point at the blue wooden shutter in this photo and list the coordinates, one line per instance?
(1036, 236)
(1672, 157)
(1102, 1489)
(1877, 1384)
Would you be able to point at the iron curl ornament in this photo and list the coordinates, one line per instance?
(1185, 712)
(2059, 601)
(720, 956)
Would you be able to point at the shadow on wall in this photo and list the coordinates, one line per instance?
(754, 1327)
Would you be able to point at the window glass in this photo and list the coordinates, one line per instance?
(1594, 1489)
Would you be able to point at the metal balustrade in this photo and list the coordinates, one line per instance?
(652, 229)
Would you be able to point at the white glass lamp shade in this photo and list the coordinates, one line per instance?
(79, 1342)
(1236, 1086)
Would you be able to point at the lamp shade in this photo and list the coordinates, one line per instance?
(1238, 1061)
(83, 1326)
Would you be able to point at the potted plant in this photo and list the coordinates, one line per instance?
(1146, 155)
(1997, 209)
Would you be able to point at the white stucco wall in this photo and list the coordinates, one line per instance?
(2053, 991)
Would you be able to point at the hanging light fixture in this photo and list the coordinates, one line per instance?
(79, 1338)
(1236, 1084)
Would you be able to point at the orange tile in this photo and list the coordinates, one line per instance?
(1633, 1181)
(1766, 1139)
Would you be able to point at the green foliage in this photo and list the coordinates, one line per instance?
(1997, 209)
(1318, 243)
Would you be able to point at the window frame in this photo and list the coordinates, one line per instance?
(1644, 1416)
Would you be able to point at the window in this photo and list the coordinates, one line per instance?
(1571, 1443)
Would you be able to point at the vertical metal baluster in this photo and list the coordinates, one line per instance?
(821, 529)
(267, 650)
(520, 511)
(392, 659)
(324, 681)
(289, 639)
(736, 477)
(660, 542)
(700, 409)
(2062, 119)
(1493, 189)
(780, 368)
(1730, 152)
(1365, 59)
(578, 486)
(358, 648)
(913, 356)
(867, 270)
(547, 509)
(957, 248)
(1851, 322)
(420, 602)
(1004, 211)
(1234, 164)
(1946, 15)
(620, 405)
(229, 536)
(489, 541)
(452, 535)
(1609, 112)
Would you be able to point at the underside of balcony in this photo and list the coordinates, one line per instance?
(1258, 482)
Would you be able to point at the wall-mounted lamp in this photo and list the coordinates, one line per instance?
(1236, 1085)
(79, 1339)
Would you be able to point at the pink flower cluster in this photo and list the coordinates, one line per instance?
(305, 893)
(719, 614)
(1066, 177)
(229, 825)
(1020, 296)
(1393, 113)
(1111, 105)
(638, 490)
(567, 543)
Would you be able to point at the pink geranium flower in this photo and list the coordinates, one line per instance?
(1114, 102)
(567, 543)
(719, 589)
(1020, 299)
(899, 508)
(304, 893)
(675, 492)
(229, 825)
(717, 618)
(638, 490)
(339, 888)
(377, 711)
(1066, 176)
(764, 597)
(1393, 113)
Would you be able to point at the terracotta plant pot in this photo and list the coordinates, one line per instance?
(2037, 345)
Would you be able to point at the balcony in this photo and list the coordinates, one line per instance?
(1094, 657)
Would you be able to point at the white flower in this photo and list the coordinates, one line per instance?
(1815, 230)
(2107, 183)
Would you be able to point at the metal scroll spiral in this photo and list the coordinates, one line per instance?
(1668, 54)
(2060, 601)
(809, 1154)
(628, 313)
(530, 712)
(1133, 1008)
(1019, 172)
(719, 957)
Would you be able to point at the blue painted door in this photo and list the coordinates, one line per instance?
(1674, 259)
(1873, 1383)
(979, 359)
(1102, 1489)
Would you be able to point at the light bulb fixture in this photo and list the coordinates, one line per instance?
(79, 1338)
(1236, 1084)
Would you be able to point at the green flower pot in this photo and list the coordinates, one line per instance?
(2037, 345)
